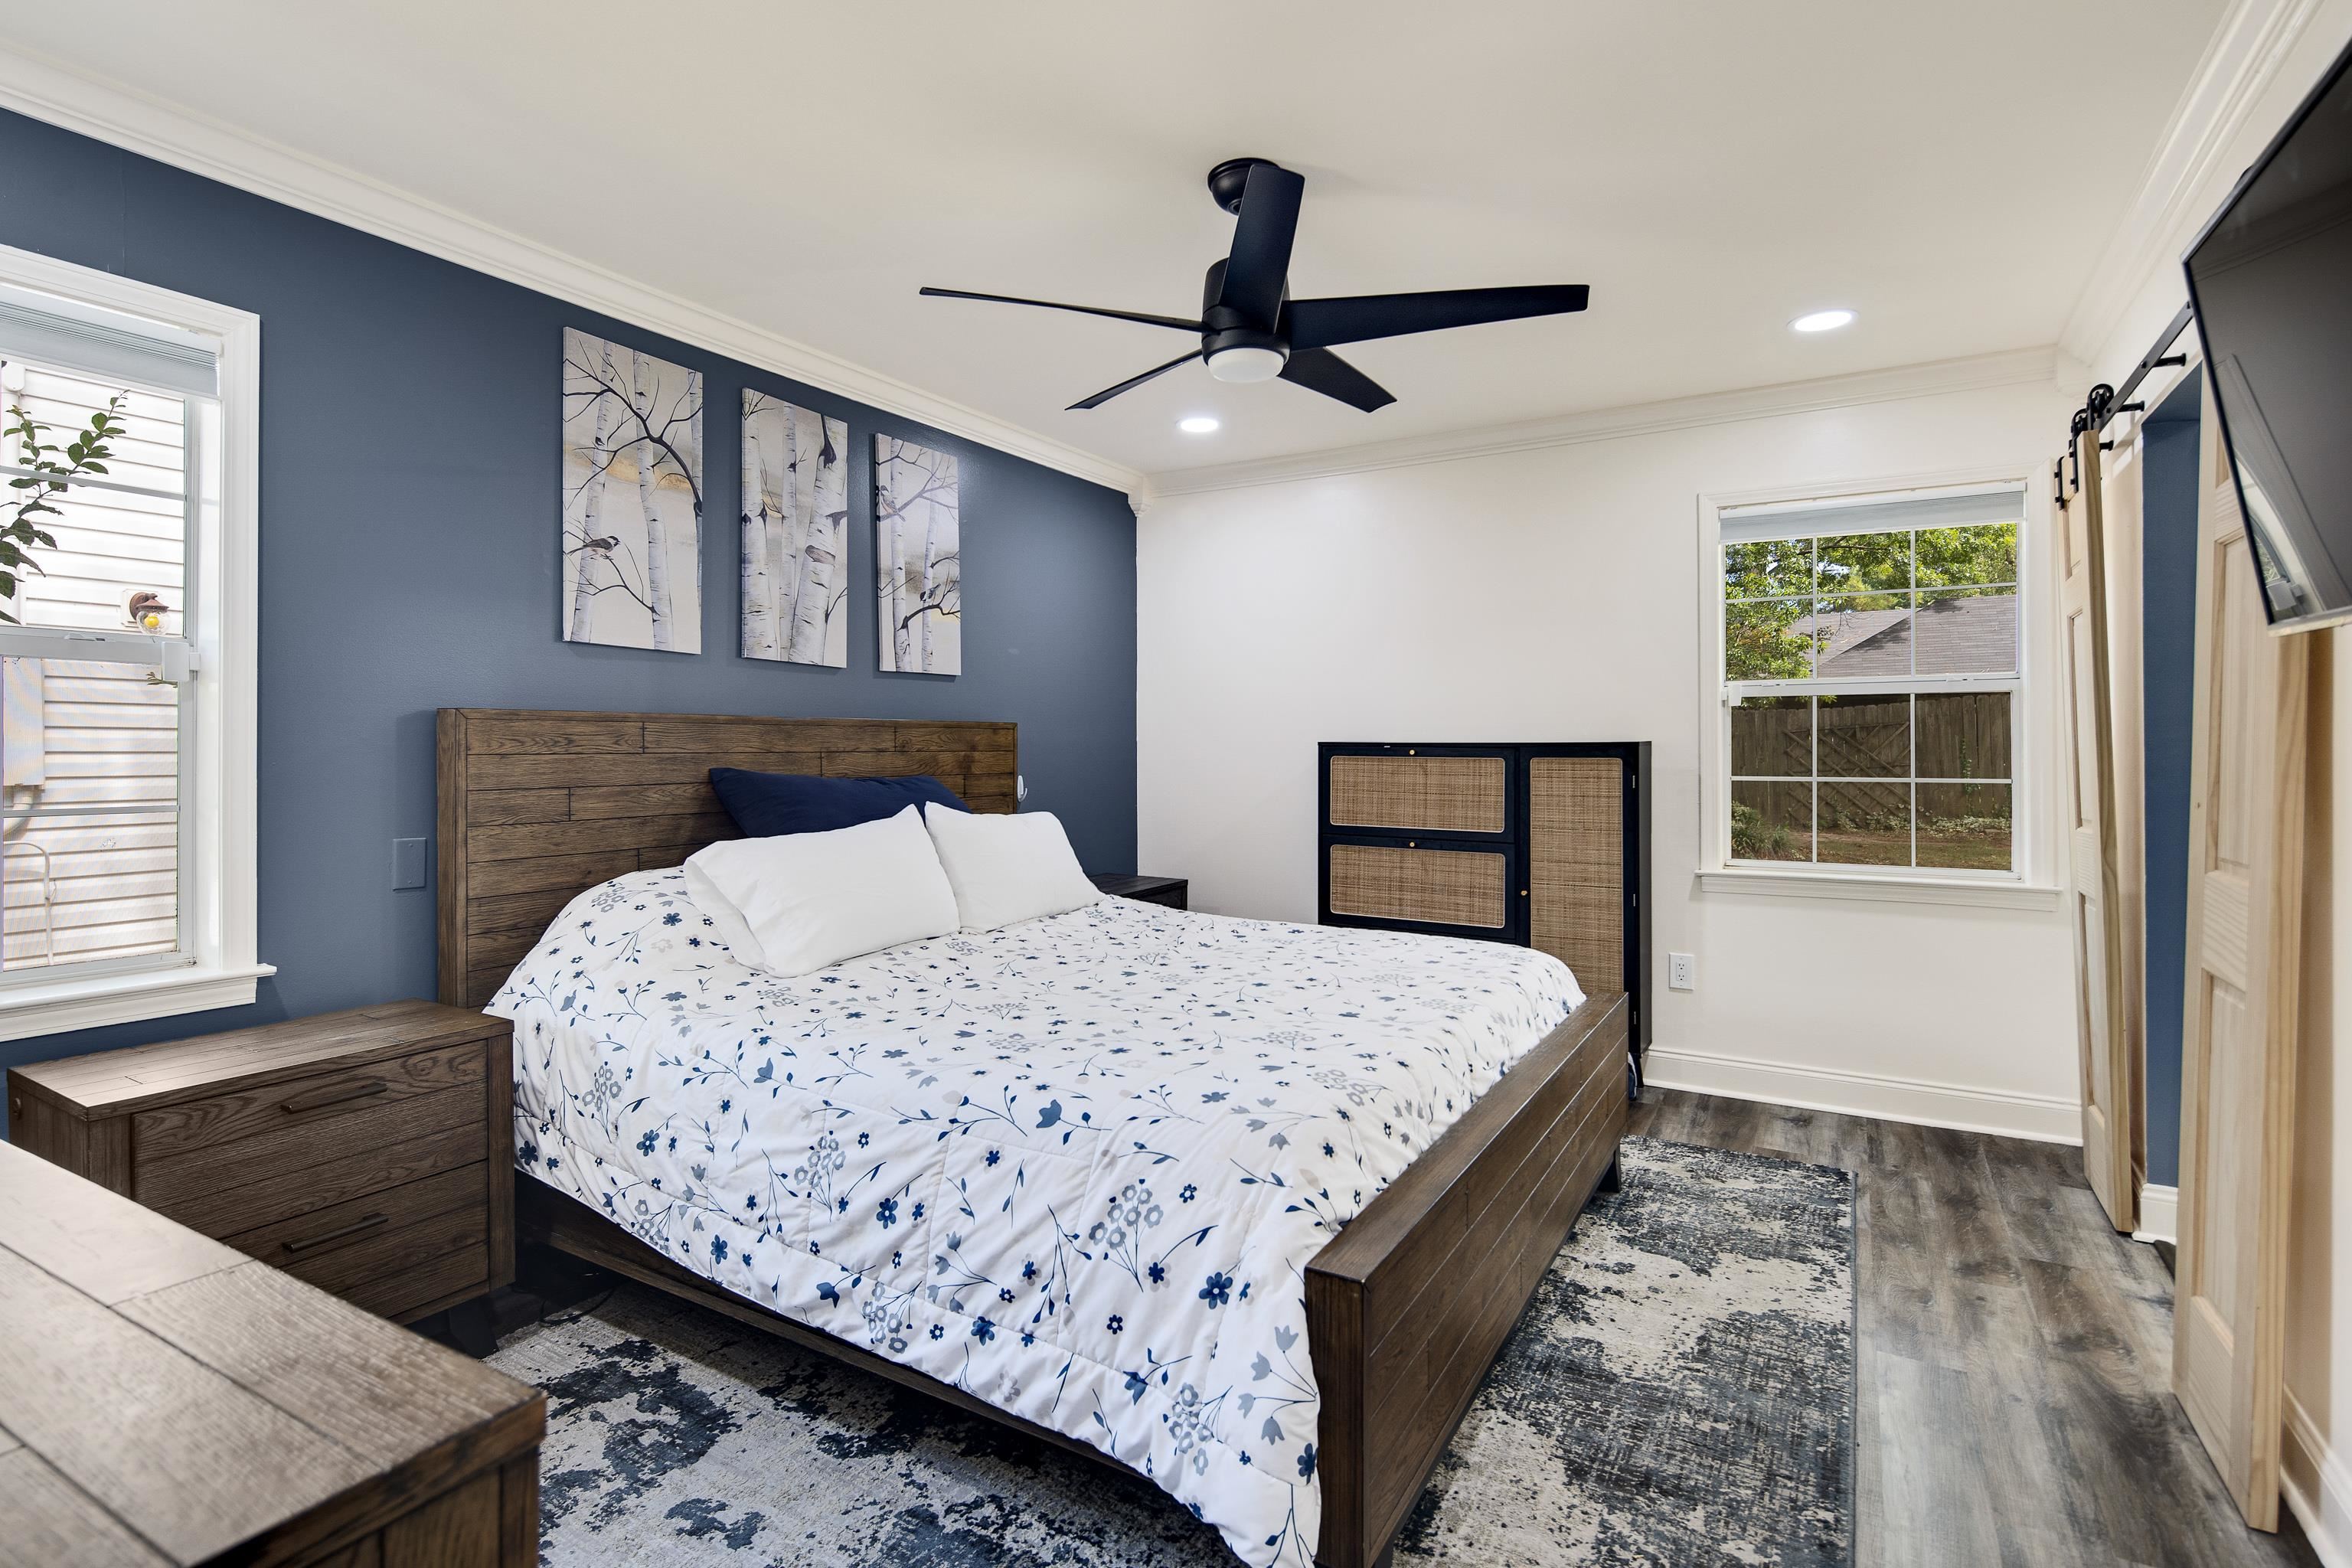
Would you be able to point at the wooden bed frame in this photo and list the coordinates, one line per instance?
(537, 806)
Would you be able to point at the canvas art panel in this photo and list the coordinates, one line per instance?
(918, 572)
(631, 498)
(795, 534)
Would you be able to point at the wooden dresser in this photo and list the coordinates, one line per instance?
(365, 1152)
(167, 1400)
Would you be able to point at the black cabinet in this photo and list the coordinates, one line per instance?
(1545, 846)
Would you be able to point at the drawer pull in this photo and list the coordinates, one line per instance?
(357, 1226)
(302, 1102)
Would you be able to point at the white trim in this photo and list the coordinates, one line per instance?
(92, 1000)
(2007, 368)
(2326, 1517)
(219, 837)
(2160, 1213)
(2252, 41)
(184, 139)
(1855, 887)
(2046, 1118)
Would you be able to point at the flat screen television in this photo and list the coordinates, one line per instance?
(2271, 281)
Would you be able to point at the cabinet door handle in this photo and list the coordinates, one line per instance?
(357, 1226)
(313, 1100)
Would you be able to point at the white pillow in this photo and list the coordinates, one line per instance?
(802, 901)
(1008, 868)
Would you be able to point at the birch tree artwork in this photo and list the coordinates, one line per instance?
(918, 577)
(795, 534)
(631, 498)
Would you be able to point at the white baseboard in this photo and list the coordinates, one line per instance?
(2046, 1118)
(2317, 1488)
(2159, 1213)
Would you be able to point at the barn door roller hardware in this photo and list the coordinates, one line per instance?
(2104, 403)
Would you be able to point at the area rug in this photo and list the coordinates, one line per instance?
(1679, 1393)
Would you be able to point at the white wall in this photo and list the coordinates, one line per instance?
(1554, 595)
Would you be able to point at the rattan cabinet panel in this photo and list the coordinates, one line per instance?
(1576, 862)
(1424, 887)
(1419, 792)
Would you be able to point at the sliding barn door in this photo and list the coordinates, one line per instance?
(2122, 540)
(2092, 898)
(2246, 893)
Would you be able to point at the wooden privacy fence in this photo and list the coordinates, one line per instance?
(1958, 735)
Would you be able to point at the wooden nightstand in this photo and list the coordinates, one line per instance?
(169, 1400)
(1173, 891)
(365, 1152)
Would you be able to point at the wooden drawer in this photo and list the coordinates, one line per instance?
(330, 1095)
(399, 1262)
(360, 1137)
(324, 1232)
(224, 1211)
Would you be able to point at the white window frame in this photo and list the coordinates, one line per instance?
(218, 963)
(2029, 882)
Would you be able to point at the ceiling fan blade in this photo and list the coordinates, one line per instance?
(1320, 370)
(1322, 323)
(1107, 393)
(1259, 262)
(1148, 321)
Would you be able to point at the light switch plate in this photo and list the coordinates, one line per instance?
(408, 863)
(1682, 972)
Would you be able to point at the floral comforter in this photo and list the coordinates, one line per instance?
(1076, 1167)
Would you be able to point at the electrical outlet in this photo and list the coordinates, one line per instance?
(408, 863)
(1682, 972)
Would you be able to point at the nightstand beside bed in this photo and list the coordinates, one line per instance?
(368, 1151)
(1173, 891)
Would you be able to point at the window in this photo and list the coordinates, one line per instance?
(126, 664)
(1871, 685)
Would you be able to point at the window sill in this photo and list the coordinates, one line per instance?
(1853, 888)
(93, 1001)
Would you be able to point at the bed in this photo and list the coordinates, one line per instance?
(1190, 1194)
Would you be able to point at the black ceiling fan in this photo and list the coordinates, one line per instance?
(1252, 330)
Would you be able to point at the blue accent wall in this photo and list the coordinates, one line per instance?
(409, 524)
(2168, 633)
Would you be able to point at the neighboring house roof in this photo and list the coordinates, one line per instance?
(1962, 636)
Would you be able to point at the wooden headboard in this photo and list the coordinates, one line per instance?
(537, 806)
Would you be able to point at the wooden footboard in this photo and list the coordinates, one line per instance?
(1407, 1307)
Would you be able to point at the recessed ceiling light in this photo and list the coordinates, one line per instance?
(1822, 322)
(1198, 424)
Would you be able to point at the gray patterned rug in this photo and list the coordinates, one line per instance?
(1680, 1392)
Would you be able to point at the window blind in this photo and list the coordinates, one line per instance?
(1889, 514)
(106, 345)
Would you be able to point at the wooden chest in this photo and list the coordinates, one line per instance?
(365, 1152)
(167, 1400)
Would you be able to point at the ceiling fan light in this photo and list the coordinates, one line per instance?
(1245, 364)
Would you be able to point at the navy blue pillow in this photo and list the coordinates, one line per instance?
(765, 806)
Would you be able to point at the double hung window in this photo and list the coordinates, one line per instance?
(1870, 682)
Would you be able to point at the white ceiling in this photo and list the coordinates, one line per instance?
(1710, 170)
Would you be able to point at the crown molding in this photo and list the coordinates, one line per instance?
(170, 134)
(2010, 368)
(2176, 189)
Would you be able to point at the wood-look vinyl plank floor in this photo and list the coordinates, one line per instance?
(2014, 1355)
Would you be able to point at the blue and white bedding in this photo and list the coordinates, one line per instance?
(1076, 1167)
